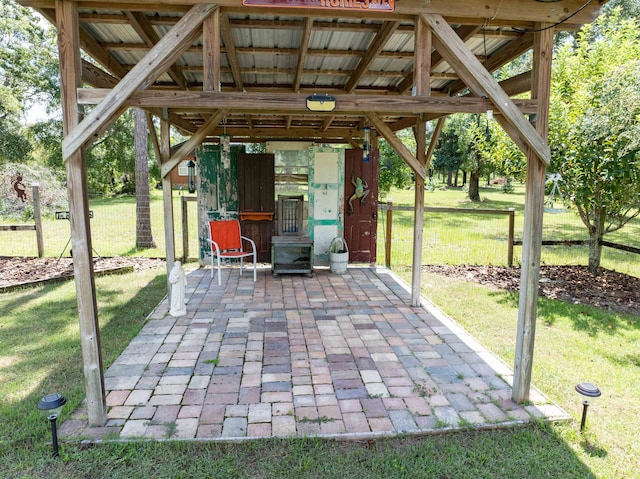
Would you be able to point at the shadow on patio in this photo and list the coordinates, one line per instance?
(340, 356)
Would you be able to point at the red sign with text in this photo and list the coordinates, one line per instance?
(372, 5)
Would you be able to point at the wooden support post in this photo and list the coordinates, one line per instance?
(37, 214)
(70, 79)
(533, 212)
(167, 201)
(387, 238)
(512, 221)
(422, 75)
(211, 52)
(418, 220)
(185, 229)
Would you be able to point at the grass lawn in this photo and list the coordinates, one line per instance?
(482, 239)
(40, 353)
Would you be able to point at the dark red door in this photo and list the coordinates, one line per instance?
(256, 200)
(361, 213)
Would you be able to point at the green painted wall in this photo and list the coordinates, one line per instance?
(217, 190)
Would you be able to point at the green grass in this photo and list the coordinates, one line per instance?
(482, 239)
(574, 343)
(40, 353)
(113, 230)
(40, 346)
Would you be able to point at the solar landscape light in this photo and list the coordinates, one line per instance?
(51, 406)
(588, 390)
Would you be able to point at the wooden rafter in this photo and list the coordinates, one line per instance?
(145, 31)
(464, 32)
(397, 145)
(163, 54)
(193, 142)
(498, 59)
(229, 44)
(483, 84)
(302, 53)
(380, 40)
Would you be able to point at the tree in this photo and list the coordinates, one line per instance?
(144, 236)
(394, 172)
(28, 68)
(448, 156)
(595, 126)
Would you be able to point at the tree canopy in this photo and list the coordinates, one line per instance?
(595, 125)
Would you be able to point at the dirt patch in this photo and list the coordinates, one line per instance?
(608, 290)
(19, 271)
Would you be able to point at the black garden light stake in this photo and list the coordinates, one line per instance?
(51, 405)
(588, 390)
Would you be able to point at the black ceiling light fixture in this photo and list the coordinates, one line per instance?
(588, 390)
(321, 102)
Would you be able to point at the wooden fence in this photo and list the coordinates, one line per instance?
(389, 209)
(37, 226)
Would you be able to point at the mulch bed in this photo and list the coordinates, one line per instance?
(18, 272)
(608, 290)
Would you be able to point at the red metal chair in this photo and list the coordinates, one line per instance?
(226, 240)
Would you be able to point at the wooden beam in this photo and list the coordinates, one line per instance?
(434, 139)
(533, 213)
(482, 83)
(145, 31)
(155, 62)
(211, 52)
(96, 77)
(296, 103)
(302, 52)
(91, 47)
(154, 138)
(232, 56)
(501, 12)
(380, 40)
(422, 62)
(498, 59)
(70, 78)
(397, 145)
(193, 142)
(464, 32)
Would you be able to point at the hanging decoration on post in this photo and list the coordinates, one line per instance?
(225, 150)
(554, 179)
(191, 176)
(366, 145)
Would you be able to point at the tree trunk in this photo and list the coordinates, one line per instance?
(455, 181)
(464, 178)
(596, 232)
(144, 237)
(474, 186)
(449, 178)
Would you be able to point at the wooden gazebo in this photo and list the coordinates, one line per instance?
(252, 64)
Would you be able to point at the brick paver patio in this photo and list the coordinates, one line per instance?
(333, 355)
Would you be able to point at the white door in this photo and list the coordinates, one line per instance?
(326, 195)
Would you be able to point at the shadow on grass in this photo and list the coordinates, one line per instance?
(533, 451)
(589, 319)
(41, 352)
